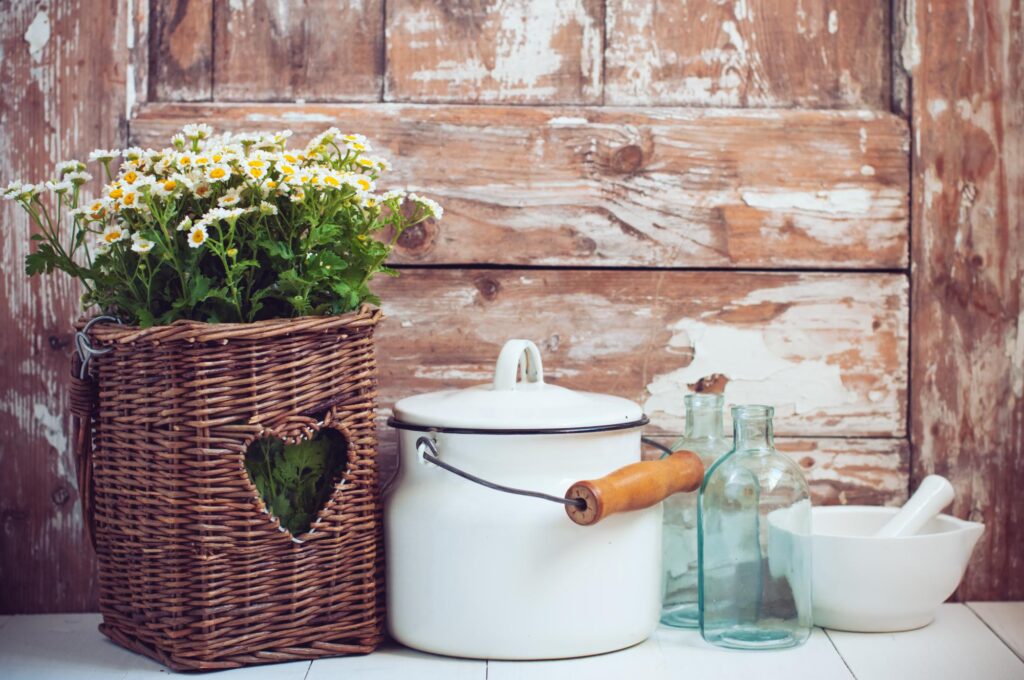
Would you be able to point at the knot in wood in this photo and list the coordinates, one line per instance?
(487, 286)
(628, 159)
(419, 239)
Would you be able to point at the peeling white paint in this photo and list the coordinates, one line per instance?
(936, 107)
(52, 427)
(757, 373)
(910, 52)
(37, 35)
(843, 201)
(567, 121)
(833, 21)
(867, 170)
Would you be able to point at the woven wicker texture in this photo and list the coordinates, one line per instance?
(193, 571)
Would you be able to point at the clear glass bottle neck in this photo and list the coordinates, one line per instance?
(752, 432)
(704, 423)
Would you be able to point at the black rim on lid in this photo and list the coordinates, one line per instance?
(401, 425)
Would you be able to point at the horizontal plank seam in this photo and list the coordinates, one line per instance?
(153, 110)
(639, 268)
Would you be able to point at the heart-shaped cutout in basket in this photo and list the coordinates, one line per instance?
(295, 480)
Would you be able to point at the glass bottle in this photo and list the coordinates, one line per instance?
(704, 437)
(754, 526)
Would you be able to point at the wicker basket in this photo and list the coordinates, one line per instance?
(193, 571)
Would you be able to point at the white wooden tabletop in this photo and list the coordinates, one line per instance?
(978, 641)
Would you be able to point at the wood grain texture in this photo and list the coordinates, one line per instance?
(316, 50)
(54, 55)
(967, 67)
(760, 53)
(181, 50)
(827, 350)
(506, 51)
(624, 187)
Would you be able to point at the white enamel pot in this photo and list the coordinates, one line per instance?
(473, 571)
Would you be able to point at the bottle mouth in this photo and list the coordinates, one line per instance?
(749, 411)
(704, 400)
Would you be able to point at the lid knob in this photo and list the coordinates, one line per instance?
(518, 356)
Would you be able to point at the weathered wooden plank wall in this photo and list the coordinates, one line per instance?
(966, 62)
(63, 76)
(634, 243)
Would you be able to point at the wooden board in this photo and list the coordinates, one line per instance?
(1006, 619)
(277, 50)
(181, 50)
(828, 351)
(935, 651)
(624, 187)
(54, 56)
(758, 53)
(509, 51)
(966, 63)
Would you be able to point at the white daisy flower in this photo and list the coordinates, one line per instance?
(219, 172)
(224, 214)
(79, 177)
(197, 235)
(104, 155)
(178, 141)
(134, 153)
(267, 208)
(393, 194)
(65, 167)
(114, 233)
(231, 198)
(435, 210)
(130, 198)
(59, 188)
(195, 131)
(360, 183)
(185, 224)
(141, 245)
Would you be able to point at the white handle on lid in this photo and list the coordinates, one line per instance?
(932, 495)
(516, 355)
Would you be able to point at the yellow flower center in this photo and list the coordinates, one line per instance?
(332, 181)
(202, 160)
(202, 190)
(185, 160)
(271, 183)
(112, 236)
(198, 236)
(130, 177)
(129, 199)
(217, 173)
(257, 163)
(256, 172)
(116, 193)
(170, 184)
(365, 184)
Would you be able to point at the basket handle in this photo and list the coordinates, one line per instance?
(83, 410)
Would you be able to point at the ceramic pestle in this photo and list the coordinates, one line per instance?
(932, 495)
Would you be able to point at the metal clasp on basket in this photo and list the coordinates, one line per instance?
(84, 348)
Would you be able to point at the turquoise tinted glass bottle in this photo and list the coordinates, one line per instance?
(754, 525)
(704, 437)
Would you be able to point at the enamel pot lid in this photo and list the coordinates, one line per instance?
(518, 401)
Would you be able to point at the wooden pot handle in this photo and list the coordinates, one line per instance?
(636, 486)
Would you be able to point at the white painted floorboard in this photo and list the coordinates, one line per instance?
(1006, 619)
(958, 645)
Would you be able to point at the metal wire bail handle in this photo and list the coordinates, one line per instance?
(432, 457)
(83, 344)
